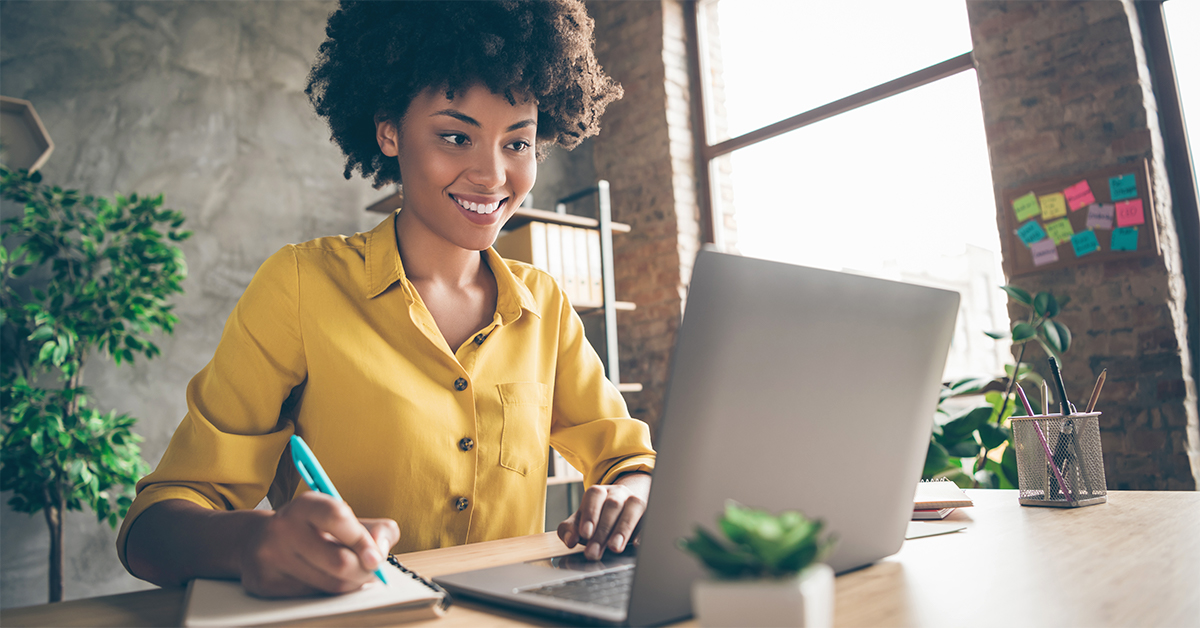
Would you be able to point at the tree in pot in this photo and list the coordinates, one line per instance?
(101, 274)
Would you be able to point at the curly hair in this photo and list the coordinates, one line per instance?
(377, 56)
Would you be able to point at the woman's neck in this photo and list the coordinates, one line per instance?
(428, 258)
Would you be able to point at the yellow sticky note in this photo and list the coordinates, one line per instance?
(1026, 207)
(1053, 205)
(1060, 230)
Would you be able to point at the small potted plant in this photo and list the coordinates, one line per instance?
(767, 571)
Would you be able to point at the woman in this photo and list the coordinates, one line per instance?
(428, 375)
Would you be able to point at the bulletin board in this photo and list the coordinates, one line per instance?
(1101, 216)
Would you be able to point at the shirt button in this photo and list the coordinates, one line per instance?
(479, 339)
(462, 503)
(460, 384)
(466, 444)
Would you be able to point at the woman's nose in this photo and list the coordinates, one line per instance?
(487, 170)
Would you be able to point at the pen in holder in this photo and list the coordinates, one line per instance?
(1059, 461)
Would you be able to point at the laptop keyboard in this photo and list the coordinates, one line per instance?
(610, 589)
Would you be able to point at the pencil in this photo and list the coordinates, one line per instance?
(1096, 391)
(1045, 397)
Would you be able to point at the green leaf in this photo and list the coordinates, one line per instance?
(937, 459)
(964, 449)
(967, 423)
(1023, 332)
(1018, 295)
(1045, 305)
(993, 435)
(996, 335)
(1056, 336)
(1008, 467)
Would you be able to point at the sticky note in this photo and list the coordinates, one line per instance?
(1079, 195)
(1031, 232)
(1044, 252)
(1100, 216)
(1122, 187)
(1026, 207)
(1053, 205)
(1084, 242)
(1130, 213)
(1060, 230)
(1124, 239)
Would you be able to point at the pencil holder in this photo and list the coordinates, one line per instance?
(1059, 462)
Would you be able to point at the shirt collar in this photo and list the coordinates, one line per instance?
(384, 268)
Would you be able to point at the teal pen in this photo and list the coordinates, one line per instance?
(314, 476)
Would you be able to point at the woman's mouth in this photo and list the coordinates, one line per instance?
(479, 208)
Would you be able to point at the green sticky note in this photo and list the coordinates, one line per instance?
(1026, 207)
(1084, 242)
(1122, 187)
(1060, 230)
(1124, 239)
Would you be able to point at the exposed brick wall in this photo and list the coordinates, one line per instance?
(645, 152)
(1065, 89)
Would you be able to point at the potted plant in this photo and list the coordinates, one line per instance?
(765, 572)
(83, 276)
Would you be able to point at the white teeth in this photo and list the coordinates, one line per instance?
(479, 208)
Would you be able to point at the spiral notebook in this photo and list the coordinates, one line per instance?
(409, 597)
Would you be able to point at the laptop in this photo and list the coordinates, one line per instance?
(791, 388)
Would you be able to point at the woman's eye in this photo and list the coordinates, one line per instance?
(458, 139)
(520, 146)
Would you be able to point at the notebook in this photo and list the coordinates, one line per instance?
(920, 514)
(778, 372)
(939, 494)
(409, 597)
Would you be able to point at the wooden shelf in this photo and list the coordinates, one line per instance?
(520, 217)
(627, 387)
(556, 481)
(591, 307)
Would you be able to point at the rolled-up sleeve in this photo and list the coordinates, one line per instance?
(225, 453)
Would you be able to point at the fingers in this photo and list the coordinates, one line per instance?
(385, 532)
(607, 519)
(568, 532)
(337, 520)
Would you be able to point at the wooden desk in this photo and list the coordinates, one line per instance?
(1132, 561)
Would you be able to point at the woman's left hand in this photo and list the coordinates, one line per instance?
(608, 516)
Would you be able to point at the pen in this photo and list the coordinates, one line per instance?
(1068, 493)
(1096, 391)
(313, 475)
(1062, 392)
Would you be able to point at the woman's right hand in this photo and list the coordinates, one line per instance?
(314, 543)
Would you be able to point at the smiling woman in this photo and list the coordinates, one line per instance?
(428, 375)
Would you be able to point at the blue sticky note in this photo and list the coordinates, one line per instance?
(1031, 232)
(1124, 239)
(1122, 187)
(1084, 242)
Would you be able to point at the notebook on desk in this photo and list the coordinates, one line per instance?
(788, 385)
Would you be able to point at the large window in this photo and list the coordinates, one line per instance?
(882, 166)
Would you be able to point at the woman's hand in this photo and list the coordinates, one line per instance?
(608, 516)
(314, 543)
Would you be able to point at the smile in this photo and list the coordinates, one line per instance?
(479, 208)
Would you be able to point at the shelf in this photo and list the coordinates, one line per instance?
(627, 387)
(520, 217)
(556, 481)
(591, 307)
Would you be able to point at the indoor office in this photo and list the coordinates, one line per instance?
(1032, 157)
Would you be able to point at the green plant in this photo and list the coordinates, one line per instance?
(977, 432)
(759, 544)
(102, 271)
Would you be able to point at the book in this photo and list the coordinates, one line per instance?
(409, 597)
(525, 244)
(595, 266)
(570, 283)
(920, 514)
(938, 494)
(554, 263)
(583, 286)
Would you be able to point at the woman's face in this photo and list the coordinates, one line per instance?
(467, 163)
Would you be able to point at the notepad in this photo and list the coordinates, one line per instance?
(408, 597)
(920, 514)
(940, 494)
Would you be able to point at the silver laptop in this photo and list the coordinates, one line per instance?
(792, 388)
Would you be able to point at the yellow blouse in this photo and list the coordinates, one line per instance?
(331, 341)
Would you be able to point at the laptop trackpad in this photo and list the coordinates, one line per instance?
(577, 561)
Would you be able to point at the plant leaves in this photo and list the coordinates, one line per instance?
(1045, 305)
(1018, 295)
(1023, 332)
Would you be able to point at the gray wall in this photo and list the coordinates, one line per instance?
(203, 102)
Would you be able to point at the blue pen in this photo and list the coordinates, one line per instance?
(314, 476)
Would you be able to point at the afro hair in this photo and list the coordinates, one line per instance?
(377, 56)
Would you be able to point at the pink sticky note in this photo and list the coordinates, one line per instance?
(1100, 216)
(1044, 252)
(1079, 195)
(1130, 213)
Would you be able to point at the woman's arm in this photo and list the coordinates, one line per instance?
(608, 515)
(313, 543)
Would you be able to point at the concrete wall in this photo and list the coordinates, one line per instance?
(1066, 89)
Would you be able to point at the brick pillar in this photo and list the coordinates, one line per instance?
(645, 152)
(1066, 89)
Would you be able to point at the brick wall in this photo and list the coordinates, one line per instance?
(645, 151)
(1065, 89)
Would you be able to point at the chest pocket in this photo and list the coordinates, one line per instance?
(525, 439)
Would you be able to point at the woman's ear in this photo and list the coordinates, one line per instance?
(388, 137)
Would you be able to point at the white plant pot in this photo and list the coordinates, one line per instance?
(805, 600)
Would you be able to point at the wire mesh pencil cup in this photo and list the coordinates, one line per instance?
(1059, 462)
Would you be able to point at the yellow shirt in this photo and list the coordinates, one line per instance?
(332, 342)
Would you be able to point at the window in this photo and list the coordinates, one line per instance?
(895, 186)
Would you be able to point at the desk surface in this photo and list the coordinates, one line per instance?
(1132, 561)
